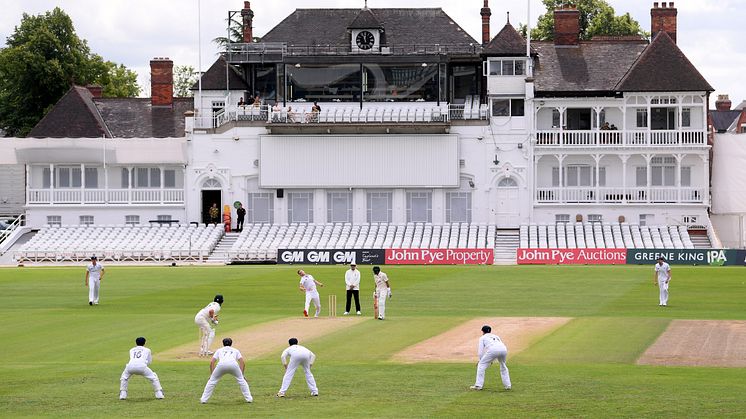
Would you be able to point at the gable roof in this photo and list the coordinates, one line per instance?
(592, 66)
(365, 20)
(79, 115)
(722, 120)
(663, 67)
(74, 115)
(214, 77)
(507, 42)
(402, 27)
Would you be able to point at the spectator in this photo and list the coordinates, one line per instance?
(214, 213)
(241, 102)
(240, 214)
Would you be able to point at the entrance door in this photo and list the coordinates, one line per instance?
(508, 205)
(210, 197)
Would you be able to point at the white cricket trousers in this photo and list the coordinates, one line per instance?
(663, 287)
(305, 362)
(139, 369)
(313, 296)
(93, 287)
(382, 296)
(220, 370)
(206, 334)
(495, 352)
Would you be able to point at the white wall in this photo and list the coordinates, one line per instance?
(37, 217)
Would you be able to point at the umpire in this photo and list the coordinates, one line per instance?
(352, 282)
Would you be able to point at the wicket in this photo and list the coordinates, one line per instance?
(332, 305)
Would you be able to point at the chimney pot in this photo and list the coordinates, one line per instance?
(96, 90)
(485, 13)
(161, 81)
(247, 20)
(655, 5)
(663, 19)
(567, 26)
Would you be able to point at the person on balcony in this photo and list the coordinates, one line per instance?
(291, 114)
(241, 102)
(605, 126)
(257, 102)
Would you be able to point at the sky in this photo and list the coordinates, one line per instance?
(132, 32)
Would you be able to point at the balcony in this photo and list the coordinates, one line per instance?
(616, 139)
(105, 196)
(619, 195)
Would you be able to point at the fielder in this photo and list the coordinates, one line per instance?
(140, 358)
(298, 355)
(662, 278)
(227, 360)
(491, 348)
(383, 291)
(94, 273)
(308, 284)
(206, 319)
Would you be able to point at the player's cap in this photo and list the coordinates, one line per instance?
(661, 258)
(219, 299)
(94, 257)
(486, 329)
(353, 264)
(376, 269)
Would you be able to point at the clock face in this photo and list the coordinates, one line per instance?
(365, 40)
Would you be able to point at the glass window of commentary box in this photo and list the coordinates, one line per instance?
(506, 67)
(401, 82)
(508, 107)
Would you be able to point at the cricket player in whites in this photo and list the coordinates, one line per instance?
(308, 284)
(206, 319)
(140, 359)
(491, 348)
(383, 291)
(227, 360)
(662, 278)
(292, 357)
(94, 273)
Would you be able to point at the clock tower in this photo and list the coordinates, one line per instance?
(366, 33)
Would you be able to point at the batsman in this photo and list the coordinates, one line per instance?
(381, 293)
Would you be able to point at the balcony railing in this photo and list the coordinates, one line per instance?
(619, 195)
(555, 138)
(105, 196)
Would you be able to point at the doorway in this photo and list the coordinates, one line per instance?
(508, 204)
(210, 197)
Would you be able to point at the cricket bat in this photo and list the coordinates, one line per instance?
(375, 306)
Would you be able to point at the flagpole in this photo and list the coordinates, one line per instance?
(199, 48)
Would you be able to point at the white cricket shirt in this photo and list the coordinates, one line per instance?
(308, 283)
(487, 341)
(352, 278)
(227, 354)
(662, 271)
(140, 355)
(205, 312)
(381, 280)
(298, 352)
(94, 271)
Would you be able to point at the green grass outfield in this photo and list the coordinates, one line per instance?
(63, 358)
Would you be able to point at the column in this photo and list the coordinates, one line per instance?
(561, 110)
(624, 159)
(106, 184)
(648, 175)
(597, 158)
(51, 183)
(647, 134)
(561, 195)
(677, 175)
(129, 185)
(706, 177)
(597, 126)
(28, 183)
(163, 177)
(82, 183)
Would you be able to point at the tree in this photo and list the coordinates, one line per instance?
(184, 79)
(43, 58)
(597, 17)
(235, 32)
(118, 81)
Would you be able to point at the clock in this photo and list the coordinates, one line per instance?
(365, 40)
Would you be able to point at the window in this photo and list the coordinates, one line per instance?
(339, 207)
(580, 175)
(67, 177)
(561, 218)
(300, 207)
(595, 218)
(163, 217)
(91, 178)
(125, 178)
(642, 118)
(144, 177)
(555, 118)
(508, 67)
(54, 220)
(131, 220)
(686, 176)
(260, 208)
(689, 219)
(507, 182)
(169, 178)
(663, 118)
(663, 171)
(641, 176)
(458, 207)
(419, 207)
(508, 107)
(46, 181)
(380, 207)
(686, 117)
(86, 220)
(647, 219)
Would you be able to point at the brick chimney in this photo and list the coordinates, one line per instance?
(486, 13)
(663, 18)
(161, 81)
(723, 103)
(247, 18)
(96, 90)
(567, 26)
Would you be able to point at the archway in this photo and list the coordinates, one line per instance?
(211, 193)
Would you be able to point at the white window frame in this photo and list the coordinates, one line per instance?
(428, 196)
(561, 218)
(164, 217)
(86, 220)
(54, 220)
(131, 220)
(333, 196)
(251, 211)
(291, 197)
(513, 108)
(595, 218)
(647, 219)
(389, 197)
(458, 195)
(501, 64)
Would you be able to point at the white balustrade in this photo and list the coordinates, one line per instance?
(613, 138)
(619, 195)
(103, 196)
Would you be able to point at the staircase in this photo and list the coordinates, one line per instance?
(220, 252)
(506, 244)
(699, 239)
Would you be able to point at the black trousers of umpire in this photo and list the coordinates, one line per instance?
(350, 293)
(239, 224)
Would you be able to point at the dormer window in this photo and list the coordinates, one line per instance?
(506, 67)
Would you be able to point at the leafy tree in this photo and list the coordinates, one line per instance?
(43, 58)
(118, 81)
(235, 32)
(597, 17)
(184, 79)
